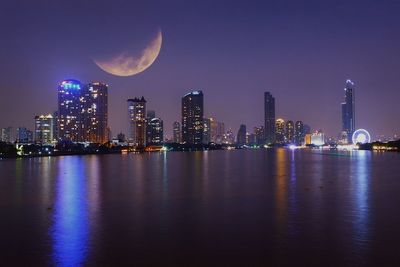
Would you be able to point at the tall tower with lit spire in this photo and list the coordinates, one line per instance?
(348, 110)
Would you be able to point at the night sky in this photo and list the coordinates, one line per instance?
(301, 51)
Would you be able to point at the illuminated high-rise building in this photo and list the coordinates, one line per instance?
(192, 118)
(307, 139)
(259, 135)
(348, 110)
(289, 132)
(207, 130)
(299, 132)
(94, 112)
(7, 135)
(155, 132)
(70, 110)
(217, 131)
(23, 135)
(55, 129)
(229, 137)
(137, 121)
(269, 118)
(176, 132)
(280, 131)
(241, 136)
(44, 127)
(220, 132)
(318, 138)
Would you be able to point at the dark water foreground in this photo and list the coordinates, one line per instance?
(217, 208)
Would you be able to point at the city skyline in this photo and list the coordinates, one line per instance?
(199, 133)
(83, 112)
(306, 74)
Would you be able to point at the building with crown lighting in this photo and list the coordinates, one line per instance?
(70, 110)
(348, 111)
(82, 114)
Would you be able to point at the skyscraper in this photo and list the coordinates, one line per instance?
(220, 132)
(259, 135)
(229, 137)
(280, 131)
(299, 132)
(207, 130)
(44, 127)
(176, 132)
(137, 121)
(269, 118)
(155, 132)
(192, 118)
(95, 112)
(55, 129)
(348, 110)
(217, 130)
(289, 132)
(241, 135)
(69, 110)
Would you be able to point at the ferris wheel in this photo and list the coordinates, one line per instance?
(361, 136)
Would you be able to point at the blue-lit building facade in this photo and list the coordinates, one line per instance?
(23, 135)
(193, 118)
(70, 110)
(82, 114)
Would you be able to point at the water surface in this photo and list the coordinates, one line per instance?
(216, 208)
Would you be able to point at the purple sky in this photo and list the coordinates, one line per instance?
(301, 51)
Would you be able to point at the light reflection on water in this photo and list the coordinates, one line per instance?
(361, 181)
(235, 207)
(70, 232)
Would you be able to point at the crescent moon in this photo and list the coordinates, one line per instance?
(127, 65)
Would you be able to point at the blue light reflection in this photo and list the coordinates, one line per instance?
(361, 196)
(70, 231)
